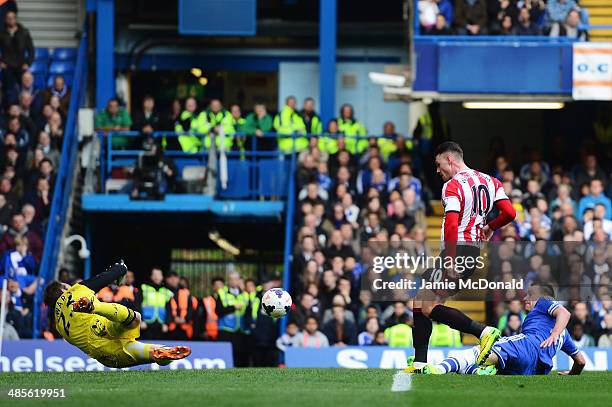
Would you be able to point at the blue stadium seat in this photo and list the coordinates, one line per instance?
(41, 54)
(238, 175)
(39, 80)
(273, 177)
(61, 67)
(39, 67)
(68, 78)
(64, 54)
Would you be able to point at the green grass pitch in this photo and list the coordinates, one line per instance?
(307, 387)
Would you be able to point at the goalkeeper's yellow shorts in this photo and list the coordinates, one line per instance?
(110, 349)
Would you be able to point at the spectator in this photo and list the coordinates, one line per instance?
(192, 121)
(589, 171)
(570, 28)
(153, 296)
(428, 10)
(368, 335)
(231, 305)
(536, 8)
(19, 265)
(581, 338)
(26, 85)
(18, 228)
(312, 121)
(443, 335)
(513, 327)
(10, 333)
(60, 90)
(605, 340)
(563, 198)
(340, 331)
(304, 309)
(310, 336)
(400, 334)
(501, 10)
(16, 48)
(288, 122)
(259, 123)
(557, 10)
(353, 130)
(595, 196)
(22, 136)
(446, 9)
(181, 310)
(582, 316)
(238, 122)
(441, 26)
(147, 120)
(114, 118)
(398, 310)
(40, 198)
(599, 221)
(471, 17)
(50, 152)
(525, 26)
(287, 340)
(219, 118)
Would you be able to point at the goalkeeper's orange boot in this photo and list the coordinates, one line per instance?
(83, 304)
(167, 353)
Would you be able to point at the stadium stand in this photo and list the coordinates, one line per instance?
(346, 185)
(33, 133)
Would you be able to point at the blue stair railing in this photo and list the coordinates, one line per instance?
(63, 184)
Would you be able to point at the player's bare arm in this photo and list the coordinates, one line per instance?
(562, 317)
(577, 367)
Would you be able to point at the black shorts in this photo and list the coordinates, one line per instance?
(438, 274)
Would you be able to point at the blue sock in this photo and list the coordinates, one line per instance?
(449, 365)
(471, 369)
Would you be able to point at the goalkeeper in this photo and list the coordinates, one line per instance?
(106, 332)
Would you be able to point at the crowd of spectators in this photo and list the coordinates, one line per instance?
(554, 18)
(348, 200)
(31, 131)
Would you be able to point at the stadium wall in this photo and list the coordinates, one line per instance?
(301, 79)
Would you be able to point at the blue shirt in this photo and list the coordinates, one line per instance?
(590, 201)
(537, 327)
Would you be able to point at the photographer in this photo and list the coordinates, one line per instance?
(154, 175)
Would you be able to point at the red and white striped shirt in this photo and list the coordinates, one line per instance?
(472, 195)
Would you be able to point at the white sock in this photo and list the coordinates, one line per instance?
(419, 365)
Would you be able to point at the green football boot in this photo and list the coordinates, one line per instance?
(489, 337)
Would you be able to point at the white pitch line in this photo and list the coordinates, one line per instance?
(402, 382)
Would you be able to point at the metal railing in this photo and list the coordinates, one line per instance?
(251, 159)
(63, 184)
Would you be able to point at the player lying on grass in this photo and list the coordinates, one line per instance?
(532, 351)
(105, 331)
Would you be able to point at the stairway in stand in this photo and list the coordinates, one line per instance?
(600, 13)
(53, 24)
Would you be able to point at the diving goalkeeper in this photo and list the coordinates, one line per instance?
(106, 332)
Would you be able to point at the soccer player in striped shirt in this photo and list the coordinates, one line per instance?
(467, 196)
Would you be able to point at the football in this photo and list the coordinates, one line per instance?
(276, 302)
